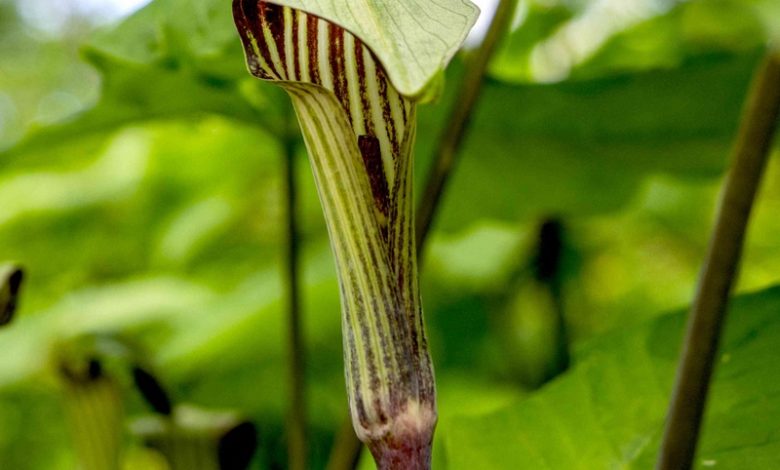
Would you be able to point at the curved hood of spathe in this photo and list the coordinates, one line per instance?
(412, 39)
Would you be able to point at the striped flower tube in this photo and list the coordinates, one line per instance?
(94, 412)
(359, 132)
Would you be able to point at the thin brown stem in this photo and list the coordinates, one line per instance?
(455, 130)
(296, 444)
(707, 316)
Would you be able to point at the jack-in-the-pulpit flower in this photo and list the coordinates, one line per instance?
(359, 132)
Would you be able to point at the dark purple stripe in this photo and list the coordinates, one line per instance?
(274, 18)
(338, 71)
(363, 88)
(296, 48)
(262, 23)
(312, 45)
(372, 159)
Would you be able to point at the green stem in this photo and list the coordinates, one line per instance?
(709, 309)
(455, 130)
(296, 445)
(347, 448)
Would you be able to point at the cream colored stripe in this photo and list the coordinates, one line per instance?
(377, 117)
(273, 52)
(259, 57)
(323, 54)
(303, 47)
(373, 272)
(397, 113)
(289, 43)
(383, 332)
(353, 86)
(343, 250)
(322, 146)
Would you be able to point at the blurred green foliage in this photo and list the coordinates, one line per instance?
(154, 214)
(608, 411)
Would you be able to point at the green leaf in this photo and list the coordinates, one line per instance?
(513, 60)
(564, 41)
(118, 307)
(585, 147)
(413, 39)
(162, 64)
(608, 411)
(198, 32)
(690, 29)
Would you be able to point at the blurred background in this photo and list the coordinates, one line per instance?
(141, 186)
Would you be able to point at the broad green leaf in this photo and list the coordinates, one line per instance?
(561, 41)
(413, 39)
(513, 61)
(561, 44)
(608, 411)
(135, 93)
(690, 29)
(119, 307)
(583, 148)
(117, 171)
(198, 32)
(121, 206)
(161, 64)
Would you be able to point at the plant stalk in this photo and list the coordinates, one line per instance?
(347, 448)
(296, 444)
(456, 127)
(708, 313)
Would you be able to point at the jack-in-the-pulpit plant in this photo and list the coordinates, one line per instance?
(359, 130)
